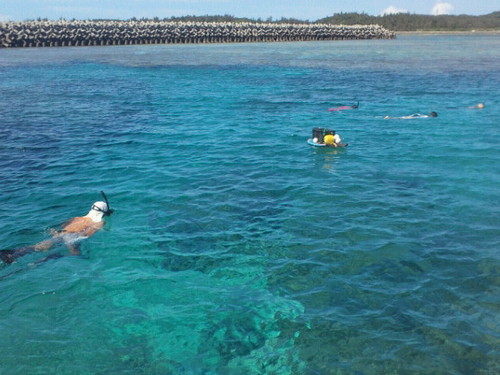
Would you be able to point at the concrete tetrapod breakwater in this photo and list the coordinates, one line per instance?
(105, 33)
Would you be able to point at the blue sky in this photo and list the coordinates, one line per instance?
(19, 10)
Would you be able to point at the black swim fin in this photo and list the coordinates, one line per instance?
(10, 256)
(7, 256)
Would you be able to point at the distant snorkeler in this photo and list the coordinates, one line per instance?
(343, 107)
(478, 106)
(414, 116)
(75, 230)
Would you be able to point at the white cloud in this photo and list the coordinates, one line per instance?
(4, 18)
(393, 10)
(442, 8)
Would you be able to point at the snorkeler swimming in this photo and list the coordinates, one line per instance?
(73, 232)
(343, 107)
(414, 116)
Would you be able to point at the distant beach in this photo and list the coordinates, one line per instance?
(449, 32)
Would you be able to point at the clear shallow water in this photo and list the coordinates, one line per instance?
(235, 247)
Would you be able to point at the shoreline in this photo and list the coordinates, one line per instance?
(448, 32)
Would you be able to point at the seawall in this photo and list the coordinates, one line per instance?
(104, 33)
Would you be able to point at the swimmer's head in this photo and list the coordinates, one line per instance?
(480, 105)
(100, 206)
(98, 210)
(433, 114)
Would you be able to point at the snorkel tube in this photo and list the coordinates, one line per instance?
(109, 211)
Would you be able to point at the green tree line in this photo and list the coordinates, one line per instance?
(419, 22)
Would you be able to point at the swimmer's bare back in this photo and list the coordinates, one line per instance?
(83, 226)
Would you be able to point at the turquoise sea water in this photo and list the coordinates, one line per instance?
(235, 247)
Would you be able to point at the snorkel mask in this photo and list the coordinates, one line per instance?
(109, 211)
